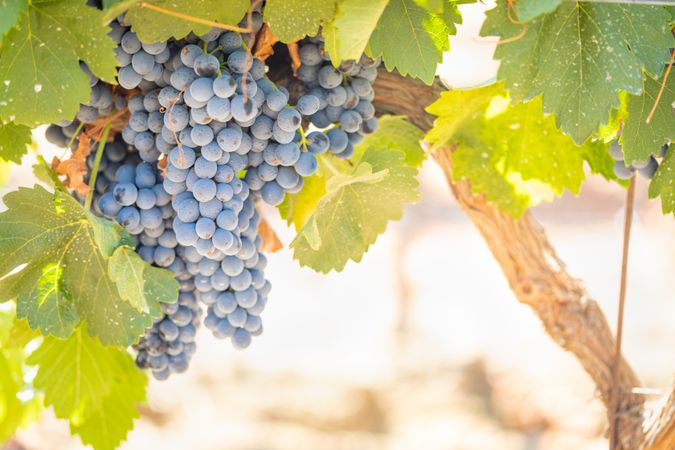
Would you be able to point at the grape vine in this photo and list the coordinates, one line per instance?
(182, 124)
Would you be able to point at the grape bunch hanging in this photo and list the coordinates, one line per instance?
(203, 136)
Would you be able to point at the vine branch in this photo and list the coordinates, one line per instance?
(540, 280)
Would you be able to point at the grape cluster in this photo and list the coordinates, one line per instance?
(344, 96)
(645, 168)
(205, 136)
(211, 110)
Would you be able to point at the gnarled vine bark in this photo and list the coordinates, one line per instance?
(539, 279)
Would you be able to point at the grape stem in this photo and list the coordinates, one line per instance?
(663, 87)
(330, 166)
(72, 139)
(303, 138)
(189, 18)
(615, 392)
(97, 163)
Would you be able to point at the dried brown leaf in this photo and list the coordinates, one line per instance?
(75, 167)
(294, 52)
(271, 242)
(264, 43)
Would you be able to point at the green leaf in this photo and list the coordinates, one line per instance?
(95, 387)
(640, 139)
(39, 61)
(348, 206)
(663, 183)
(48, 307)
(433, 6)
(411, 39)
(14, 140)
(11, 11)
(41, 230)
(527, 10)
(153, 26)
(513, 154)
(293, 19)
(140, 284)
(105, 427)
(346, 36)
(579, 57)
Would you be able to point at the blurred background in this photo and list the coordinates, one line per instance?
(422, 345)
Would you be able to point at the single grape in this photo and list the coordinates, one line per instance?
(338, 140)
(272, 193)
(240, 61)
(204, 190)
(206, 65)
(307, 164)
(289, 119)
(202, 89)
(142, 62)
(329, 77)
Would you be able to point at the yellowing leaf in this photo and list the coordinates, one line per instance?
(511, 153)
(341, 211)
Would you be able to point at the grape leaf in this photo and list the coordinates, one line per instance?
(293, 19)
(663, 183)
(107, 426)
(579, 57)
(139, 283)
(154, 26)
(95, 387)
(41, 76)
(511, 153)
(433, 6)
(527, 10)
(349, 206)
(296, 209)
(48, 307)
(11, 11)
(14, 140)
(346, 36)
(40, 230)
(411, 39)
(640, 139)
